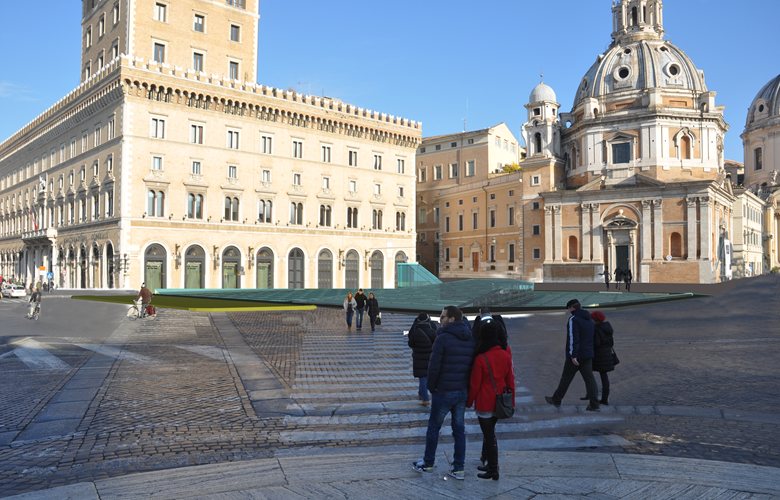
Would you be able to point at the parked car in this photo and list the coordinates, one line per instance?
(14, 291)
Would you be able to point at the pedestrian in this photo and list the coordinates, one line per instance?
(349, 309)
(449, 369)
(35, 302)
(579, 356)
(146, 298)
(491, 374)
(360, 300)
(484, 317)
(618, 277)
(421, 337)
(607, 278)
(603, 357)
(627, 277)
(372, 309)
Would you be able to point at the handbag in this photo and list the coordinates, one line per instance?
(615, 359)
(378, 319)
(505, 407)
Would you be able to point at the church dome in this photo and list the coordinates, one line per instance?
(766, 104)
(542, 92)
(637, 65)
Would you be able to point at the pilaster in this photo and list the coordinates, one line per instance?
(598, 234)
(705, 228)
(587, 234)
(558, 237)
(691, 217)
(658, 229)
(646, 229)
(548, 233)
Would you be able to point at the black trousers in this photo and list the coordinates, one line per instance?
(586, 370)
(489, 443)
(604, 386)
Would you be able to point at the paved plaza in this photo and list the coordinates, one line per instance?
(291, 405)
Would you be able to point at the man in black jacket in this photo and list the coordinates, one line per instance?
(360, 298)
(449, 369)
(579, 356)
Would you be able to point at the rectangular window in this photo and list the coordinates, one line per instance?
(266, 176)
(325, 183)
(535, 205)
(233, 70)
(232, 172)
(102, 25)
(196, 134)
(422, 174)
(97, 136)
(160, 12)
(460, 222)
(296, 179)
(110, 127)
(400, 166)
(453, 170)
(266, 144)
(84, 142)
(447, 224)
(535, 180)
(196, 168)
(447, 254)
(510, 216)
(115, 12)
(421, 216)
(297, 149)
(536, 230)
(325, 154)
(436, 215)
(159, 52)
(115, 49)
(474, 220)
(511, 248)
(199, 23)
(232, 139)
(88, 37)
(197, 61)
(471, 169)
(157, 163)
(758, 157)
(353, 186)
(537, 253)
(460, 254)
(353, 158)
(235, 33)
(377, 162)
(492, 218)
(621, 153)
(437, 172)
(377, 189)
(400, 191)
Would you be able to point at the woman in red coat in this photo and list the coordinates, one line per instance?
(492, 357)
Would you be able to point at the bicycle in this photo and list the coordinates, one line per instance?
(136, 311)
(35, 312)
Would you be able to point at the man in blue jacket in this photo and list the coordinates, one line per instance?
(579, 356)
(449, 369)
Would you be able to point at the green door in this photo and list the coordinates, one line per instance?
(192, 275)
(263, 274)
(230, 275)
(154, 275)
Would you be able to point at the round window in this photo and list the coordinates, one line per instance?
(627, 51)
(760, 108)
(623, 73)
(663, 49)
(674, 70)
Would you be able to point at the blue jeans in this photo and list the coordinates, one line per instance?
(422, 390)
(453, 402)
(359, 318)
(349, 318)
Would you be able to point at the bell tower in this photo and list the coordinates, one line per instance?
(637, 20)
(541, 131)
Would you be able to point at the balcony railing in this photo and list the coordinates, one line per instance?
(239, 4)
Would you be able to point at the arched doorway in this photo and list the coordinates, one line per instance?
(352, 270)
(110, 265)
(83, 267)
(194, 267)
(621, 249)
(400, 258)
(231, 268)
(325, 269)
(377, 270)
(265, 268)
(295, 276)
(155, 267)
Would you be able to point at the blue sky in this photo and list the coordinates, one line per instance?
(437, 61)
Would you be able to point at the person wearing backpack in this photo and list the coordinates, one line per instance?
(421, 337)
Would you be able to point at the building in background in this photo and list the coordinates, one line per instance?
(169, 164)
(468, 203)
(761, 140)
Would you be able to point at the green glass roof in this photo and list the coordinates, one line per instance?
(469, 295)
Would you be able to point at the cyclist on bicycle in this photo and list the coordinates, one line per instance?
(35, 302)
(146, 298)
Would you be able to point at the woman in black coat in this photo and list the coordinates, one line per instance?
(604, 357)
(421, 337)
(372, 308)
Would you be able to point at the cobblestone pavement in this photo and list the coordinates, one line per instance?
(697, 379)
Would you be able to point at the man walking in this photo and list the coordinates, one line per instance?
(449, 369)
(360, 299)
(579, 356)
(628, 277)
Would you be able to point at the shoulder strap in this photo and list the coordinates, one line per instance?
(490, 372)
